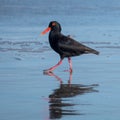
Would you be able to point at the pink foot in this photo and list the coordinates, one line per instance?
(48, 72)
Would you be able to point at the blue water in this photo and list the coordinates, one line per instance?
(26, 93)
(40, 12)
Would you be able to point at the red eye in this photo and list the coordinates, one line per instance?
(53, 24)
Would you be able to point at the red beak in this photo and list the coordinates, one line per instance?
(45, 31)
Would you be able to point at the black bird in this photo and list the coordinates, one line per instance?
(64, 45)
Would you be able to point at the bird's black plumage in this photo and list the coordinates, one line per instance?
(64, 45)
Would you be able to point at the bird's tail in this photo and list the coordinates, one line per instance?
(90, 50)
(95, 52)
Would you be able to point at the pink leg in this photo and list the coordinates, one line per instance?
(70, 78)
(52, 74)
(54, 67)
(70, 63)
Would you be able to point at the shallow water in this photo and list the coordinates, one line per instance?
(90, 92)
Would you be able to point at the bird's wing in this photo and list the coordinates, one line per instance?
(70, 45)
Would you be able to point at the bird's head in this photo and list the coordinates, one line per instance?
(53, 26)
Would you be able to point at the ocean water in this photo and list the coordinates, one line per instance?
(90, 92)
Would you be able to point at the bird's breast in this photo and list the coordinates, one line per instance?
(53, 40)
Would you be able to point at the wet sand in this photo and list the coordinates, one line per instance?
(90, 92)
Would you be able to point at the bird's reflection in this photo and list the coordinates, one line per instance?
(61, 99)
(57, 77)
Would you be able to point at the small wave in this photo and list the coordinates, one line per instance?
(24, 46)
(91, 42)
(110, 47)
(36, 46)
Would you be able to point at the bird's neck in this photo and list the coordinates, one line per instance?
(54, 33)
